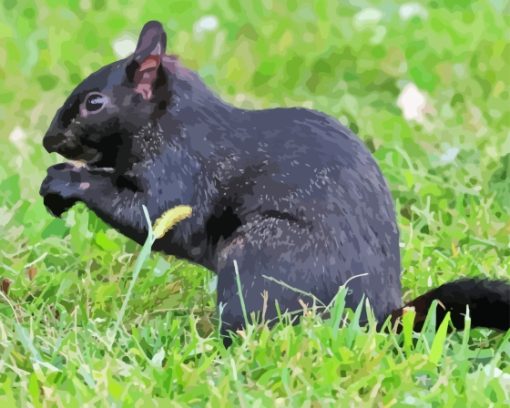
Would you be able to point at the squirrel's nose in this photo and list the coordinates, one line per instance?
(54, 136)
(51, 141)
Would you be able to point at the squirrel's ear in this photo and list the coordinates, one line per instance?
(143, 67)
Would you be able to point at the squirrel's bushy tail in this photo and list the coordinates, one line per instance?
(488, 301)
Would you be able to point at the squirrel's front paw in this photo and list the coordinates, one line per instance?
(62, 188)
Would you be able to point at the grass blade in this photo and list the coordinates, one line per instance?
(239, 291)
(439, 340)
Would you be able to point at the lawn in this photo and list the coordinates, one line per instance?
(422, 84)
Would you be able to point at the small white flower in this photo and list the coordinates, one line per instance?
(413, 103)
(423, 380)
(449, 155)
(410, 10)
(495, 372)
(124, 46)
(491, 372)
(366, 17)
(157, 359)
(206, 23)
(18, 137)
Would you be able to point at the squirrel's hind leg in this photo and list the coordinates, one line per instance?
(274, 273)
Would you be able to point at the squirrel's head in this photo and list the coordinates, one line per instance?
(113, 103)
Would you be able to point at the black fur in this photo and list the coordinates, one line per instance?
(488, 301)
(287, 193)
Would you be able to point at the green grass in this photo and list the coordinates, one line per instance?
(449, 175)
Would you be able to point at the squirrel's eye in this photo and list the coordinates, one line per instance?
(95, 102)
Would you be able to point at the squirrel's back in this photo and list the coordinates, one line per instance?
(305, 167)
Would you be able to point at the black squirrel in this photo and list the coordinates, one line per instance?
(291, 195)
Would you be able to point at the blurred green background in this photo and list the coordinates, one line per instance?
(424, 84)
